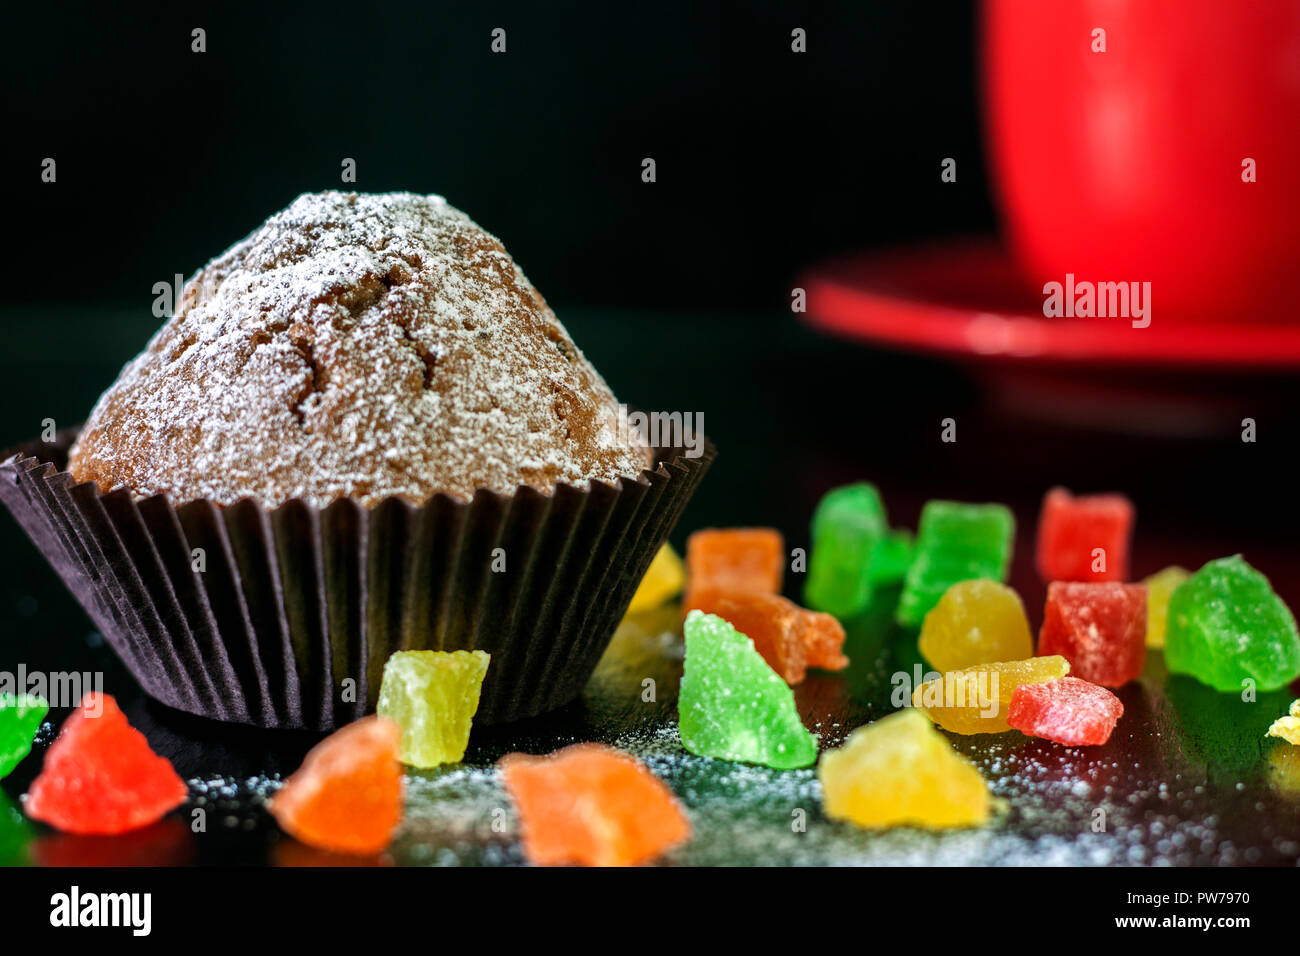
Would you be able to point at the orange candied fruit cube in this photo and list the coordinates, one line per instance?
(347, 795)
(592, 805)
(736, 560)
(772, 622)
(823, 640)
(790, 638)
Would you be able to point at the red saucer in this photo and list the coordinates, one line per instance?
(965, 298)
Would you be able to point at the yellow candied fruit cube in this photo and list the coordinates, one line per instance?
(433, 695)
(900, 771)
(974, 622)
(963, 701)
(663, 581)
(1283, 771)
(1287, 728)
(1160, 586)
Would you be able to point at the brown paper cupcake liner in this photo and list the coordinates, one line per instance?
(293, 611)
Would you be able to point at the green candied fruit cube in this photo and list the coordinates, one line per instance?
(1226, 624)
(954, 542)
(846, 528)
(20, 718)
(892, 558)
(732, 705)
(433, 696)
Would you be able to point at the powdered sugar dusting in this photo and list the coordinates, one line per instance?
(358, 345)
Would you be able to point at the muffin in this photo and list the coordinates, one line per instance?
(362, 431)
(358, 346)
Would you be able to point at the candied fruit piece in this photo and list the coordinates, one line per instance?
(734, 560)
(1288, 727)
(955, 542)
(20, 717)
(642, 640)
(1099, 627)
(847, 526)
(732, 705)
(891, 559)
(790, 638)
(433, 696)
(662, 582)
(1226, 625)
(1069, 711)
(347, 795)
(770, 621)
(973, 623)
(592, 805)
(900, 771)
(823, 639)
(100, 777)
(1160, 588)
(1284, 771)
(1084, 538)
(975, 700)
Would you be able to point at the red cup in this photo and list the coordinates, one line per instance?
(1127, 165)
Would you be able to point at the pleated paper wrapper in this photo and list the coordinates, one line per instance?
(284, 617)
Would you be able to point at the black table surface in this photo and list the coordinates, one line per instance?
(1187, 778)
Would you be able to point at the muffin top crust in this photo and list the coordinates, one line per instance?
(358, 346)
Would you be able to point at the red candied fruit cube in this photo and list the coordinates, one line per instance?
(734, 560)
(1100, 628)
(101, 777)
(1071, 529)
(1069, 711)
